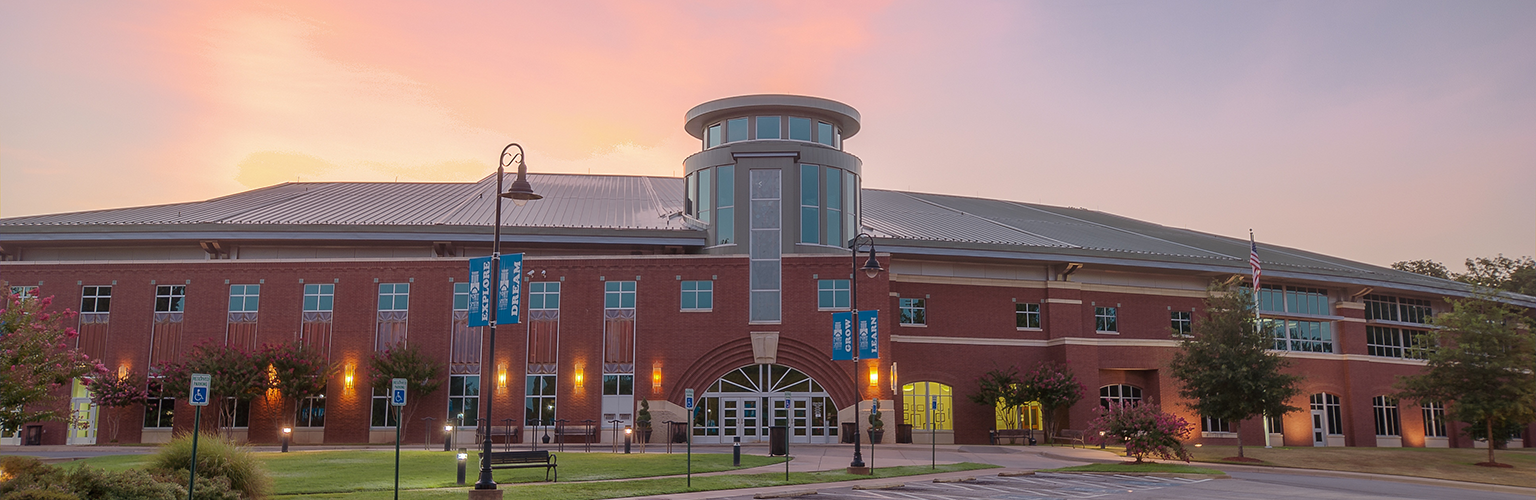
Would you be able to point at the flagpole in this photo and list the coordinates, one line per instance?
(1253, 260)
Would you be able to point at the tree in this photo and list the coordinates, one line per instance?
(1144, 429)
(1227, 367)
(234, 373)
(422, 375)
(1482, 367)
(298, 372)
(112, 391)
(999, 389)
(1501, 273)
(36, 361)
(1054, 387)
(1424, 266)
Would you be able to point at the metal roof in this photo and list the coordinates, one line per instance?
(608, 206)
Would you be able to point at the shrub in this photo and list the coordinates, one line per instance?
(1144, 428)
(33, 480)
(217, 457)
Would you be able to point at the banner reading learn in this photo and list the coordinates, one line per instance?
(508, 289)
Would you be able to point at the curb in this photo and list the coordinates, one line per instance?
(1176, 475)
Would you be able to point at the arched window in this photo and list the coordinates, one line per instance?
(1329, 405)
(925, 402)
(1119, 393)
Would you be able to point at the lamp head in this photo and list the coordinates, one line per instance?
(521, 192)
(447, 428)
(872, 267)
(287, 430)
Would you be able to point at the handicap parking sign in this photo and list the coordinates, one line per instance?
(200, 383)
(397, 392)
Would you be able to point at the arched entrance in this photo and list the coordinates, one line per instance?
(748, 400)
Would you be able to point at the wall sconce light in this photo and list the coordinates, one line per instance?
(895, 389)
(656, 379)
(122, 371)
(580, 378)
(874, 376)
(351, 370)
(501, 376)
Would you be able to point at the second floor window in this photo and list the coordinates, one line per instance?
(832, 294)
(619, 295)
(1026, 315)
(319, 297)
(96, 299)
(1105, 319)
(1179, 322)
(170, 298)
(914, 311)
(698, 295)
(244, 298)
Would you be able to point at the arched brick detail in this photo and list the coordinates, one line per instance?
(792, 353)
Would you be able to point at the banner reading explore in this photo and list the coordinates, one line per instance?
(508, 288)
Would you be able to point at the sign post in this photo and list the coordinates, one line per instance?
(789, 429)
(199, 397)
(688, 403)
(397, 399)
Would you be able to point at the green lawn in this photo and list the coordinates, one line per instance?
(661, 486)
(1454, 464)
(1129, 468)
(310, 472)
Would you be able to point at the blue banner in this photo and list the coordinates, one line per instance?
(509, 290)
(479, 291)
(842, 336)
(869, 334)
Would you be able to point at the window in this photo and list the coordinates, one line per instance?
(244, 298)
(1385, 408)
(384, 414)
(799, 128)
(928, 403)
(1276, 424)
(912, 312)
(1292, 299)
(96, 299)
(1119, 394)
(725, 217)
(765, 237)
(1385, 307)
(767, 127)
(713, 138)
(1434, 419)
(1397, 343)
(1213, 424)
(539, 401)
(1179, 322)
(24, 292)
(311, 412)
(1104, 319)
(393, 315)
(824, 133)
(736, 129)
(810, 204)
(619, 295)
(235, 413)
(832, 294)
(1026, 315)
(544, 295)
(706, 190)
(319, 297)
(170, 298)
(465, 356)
(1329, 405)
(698, 295)
(1303, 336)
(159, 409)
(834, 207)
(619, 385)
(464, 399)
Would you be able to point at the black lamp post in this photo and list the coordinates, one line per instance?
(520, 193)
(871, 269)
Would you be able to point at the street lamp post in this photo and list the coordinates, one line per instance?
(520, 193)
(871, 269)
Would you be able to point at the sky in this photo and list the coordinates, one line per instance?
(1377, 131)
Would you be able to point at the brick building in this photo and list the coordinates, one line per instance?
(724, 281)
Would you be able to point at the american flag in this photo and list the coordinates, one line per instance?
(1253, 260)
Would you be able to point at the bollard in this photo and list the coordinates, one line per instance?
(463, 457)
(287, 431)
(736, 452)
(447, 438)
(628, 433)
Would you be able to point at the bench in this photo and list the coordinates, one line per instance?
(1014, 436)
(525, 460)
(1070, 436)
(565, 433)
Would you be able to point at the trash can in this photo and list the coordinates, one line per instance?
(679, 432)
(849, 430)
(33, 436)
(904, 433)
(778, 440)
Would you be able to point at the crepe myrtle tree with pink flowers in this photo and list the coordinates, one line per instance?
(38, 360)
(234, 372)
(115, 392)
(1144, 428)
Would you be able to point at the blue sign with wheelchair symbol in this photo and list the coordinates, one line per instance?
(199, 396)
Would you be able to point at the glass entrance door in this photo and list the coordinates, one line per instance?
(747, 401)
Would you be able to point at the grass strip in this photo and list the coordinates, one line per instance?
(659, 486)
